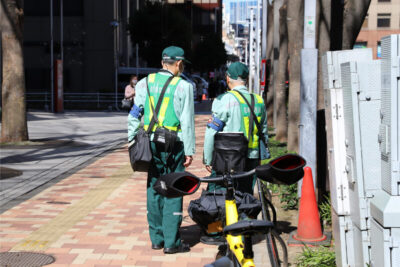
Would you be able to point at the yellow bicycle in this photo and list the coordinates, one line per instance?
(286, 169)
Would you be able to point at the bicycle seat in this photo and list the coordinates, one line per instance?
(248, 227)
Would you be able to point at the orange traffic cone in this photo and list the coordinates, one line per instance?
(309, 228)
(204, 97)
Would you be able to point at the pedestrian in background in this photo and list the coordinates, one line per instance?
(175, 117)
(130, 88)
(231, 113)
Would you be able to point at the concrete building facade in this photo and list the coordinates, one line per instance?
(96, 45)
(383, 19)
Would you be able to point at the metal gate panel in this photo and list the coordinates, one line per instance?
(331, 68)
(385, 246)
(361, 245)
(379, 247)
(389, 136)
(343, 236)
(361, 104)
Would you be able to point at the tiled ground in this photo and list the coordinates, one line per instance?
(97, 217)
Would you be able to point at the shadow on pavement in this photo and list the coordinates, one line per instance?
(285, 227)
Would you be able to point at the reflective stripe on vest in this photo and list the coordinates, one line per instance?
(246, 113)
(166, 116)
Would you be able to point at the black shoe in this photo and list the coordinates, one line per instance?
(156, 246)
(212, 240)
(181, 249)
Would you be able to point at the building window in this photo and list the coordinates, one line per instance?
(360, 45)
(379, 1)
(383, 20)
(41, 8)
(378, 50)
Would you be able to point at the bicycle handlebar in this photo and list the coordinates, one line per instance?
(220, 178)
(287, 169)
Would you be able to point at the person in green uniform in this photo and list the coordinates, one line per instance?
(230, 113)
(164, 215)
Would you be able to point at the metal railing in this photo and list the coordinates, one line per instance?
(76, 100)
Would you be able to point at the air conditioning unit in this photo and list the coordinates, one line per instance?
(361, 104)
(385, 206)
(389, 136)
(385, 250)
(333, 91)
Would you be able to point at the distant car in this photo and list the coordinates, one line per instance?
(187, 78)
(202, 86)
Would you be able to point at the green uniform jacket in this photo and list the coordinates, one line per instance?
(227, 108)
(184, 110)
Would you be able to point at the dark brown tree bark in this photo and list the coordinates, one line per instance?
(323, 42)
(270, 48)
(353, 17)
(281, 118)
(295, 21)
(14, 126)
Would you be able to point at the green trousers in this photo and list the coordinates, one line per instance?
(243, 185)
(164, 215)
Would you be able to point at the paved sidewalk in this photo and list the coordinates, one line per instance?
(59, 144)
(97, 217)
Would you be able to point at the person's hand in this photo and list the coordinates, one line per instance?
(188, 161)
(208, 168)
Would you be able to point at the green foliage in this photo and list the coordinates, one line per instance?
(157, 26)
(274, 188)
(288, 196)
(325, 211)
(287, 193)
(321, 257)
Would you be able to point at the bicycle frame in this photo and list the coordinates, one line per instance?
(236, 242)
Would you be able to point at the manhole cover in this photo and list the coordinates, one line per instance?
(6, 173)
(24, 259)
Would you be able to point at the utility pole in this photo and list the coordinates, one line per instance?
(51, 56)
(251, 52)
(308, 89)
(257, 57)
(137, 46)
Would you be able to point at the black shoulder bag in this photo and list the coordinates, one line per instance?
(140, 152)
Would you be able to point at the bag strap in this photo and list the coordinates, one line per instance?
(254, 116)
(154, 119)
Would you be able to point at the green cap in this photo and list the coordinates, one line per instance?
(238, 70)
(174, 53)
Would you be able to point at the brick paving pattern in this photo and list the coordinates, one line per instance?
(97, 217)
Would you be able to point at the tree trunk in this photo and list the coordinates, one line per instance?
(295, 21)
(281, 119)
(323, 42)
(353, 17)
(270, 56)
(14, 126)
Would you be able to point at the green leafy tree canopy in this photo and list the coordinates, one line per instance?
(156, 26)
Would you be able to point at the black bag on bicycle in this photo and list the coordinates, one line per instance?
(230, 152)
(210, 207)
